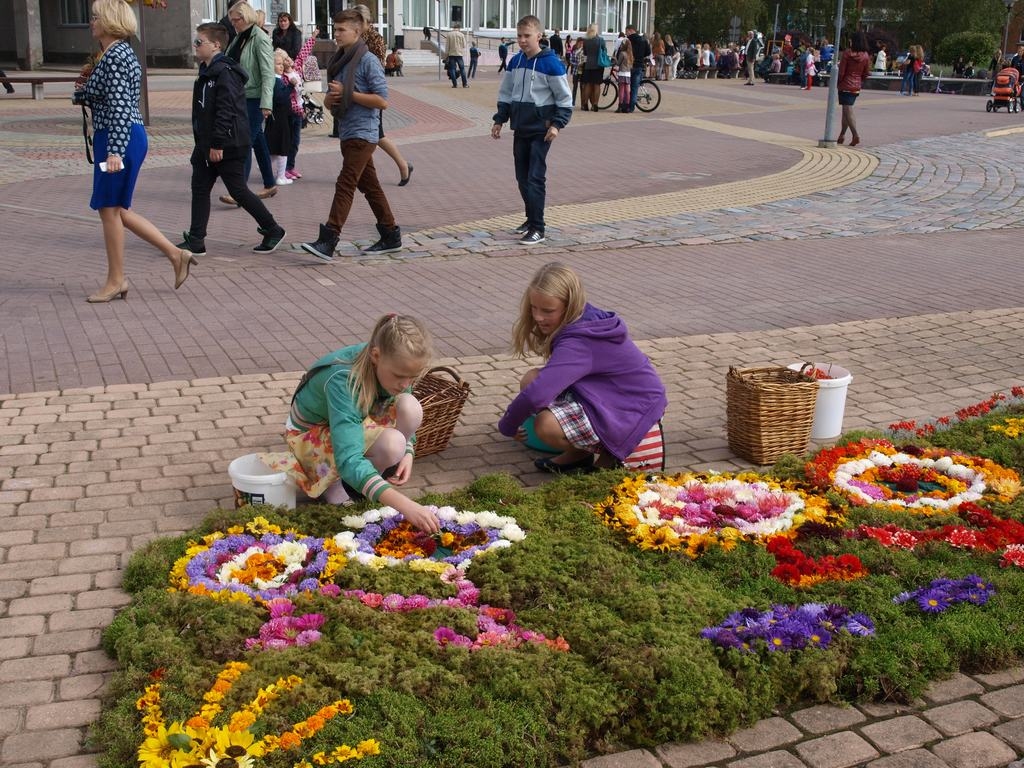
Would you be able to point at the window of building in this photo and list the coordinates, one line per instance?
(611, 16)
(523, 8)
(558, 14)
(491, 10)
(584, 14)
(75, 12)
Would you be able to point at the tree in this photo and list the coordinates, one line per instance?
(926, 22)
(708, 20)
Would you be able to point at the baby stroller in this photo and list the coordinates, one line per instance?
(312, 112)
(1005, 91)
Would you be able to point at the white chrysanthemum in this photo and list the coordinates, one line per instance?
(290, 552)
(465, 518)
(488, 520)
(353, 521)
(646, 498)
(943, 464)
(512, 532)
(446, 513)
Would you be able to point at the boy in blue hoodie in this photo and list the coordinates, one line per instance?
(534, 95)
(220, 126)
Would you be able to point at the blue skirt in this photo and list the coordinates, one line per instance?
(115, 190)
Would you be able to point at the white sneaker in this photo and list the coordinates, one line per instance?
(282, 181)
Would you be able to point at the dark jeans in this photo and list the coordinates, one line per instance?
(472, 67)
(205, 173)
(357, 172)
(575, 88)
(259, 143)
(502, 68)
(296, 137)
(635, 76)
(453, 63)
(531, 159)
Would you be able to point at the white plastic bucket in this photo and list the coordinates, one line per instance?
(828, 412)
(256, 483)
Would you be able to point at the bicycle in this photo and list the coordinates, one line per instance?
(648, 94)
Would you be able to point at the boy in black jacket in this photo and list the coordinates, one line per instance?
(220, 126)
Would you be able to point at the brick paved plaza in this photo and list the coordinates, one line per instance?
(715, 226)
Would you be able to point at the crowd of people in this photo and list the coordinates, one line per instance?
(246, 102)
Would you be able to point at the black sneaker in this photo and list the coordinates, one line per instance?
(522, 229)
(324, 246)
(390, 241)
(271, 240)
(532, 237)
(191, 244)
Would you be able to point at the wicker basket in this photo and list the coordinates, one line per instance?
(442, 399)
(769, 412)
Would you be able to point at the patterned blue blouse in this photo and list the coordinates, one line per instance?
(112, 91)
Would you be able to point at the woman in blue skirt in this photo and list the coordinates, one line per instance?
(112, 91)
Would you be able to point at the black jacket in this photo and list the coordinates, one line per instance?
(290, 40)
(641, 50)
(219, 117)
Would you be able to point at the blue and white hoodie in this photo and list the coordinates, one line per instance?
(534, 94)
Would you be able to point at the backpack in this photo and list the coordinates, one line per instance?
(311, 70)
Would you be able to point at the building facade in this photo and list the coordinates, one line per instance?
(57, 31)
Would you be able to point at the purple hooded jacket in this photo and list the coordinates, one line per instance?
(608, 375)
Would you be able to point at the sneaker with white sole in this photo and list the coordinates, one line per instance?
(282, 181)
(271, 239)
(532, 237)
(522, 229)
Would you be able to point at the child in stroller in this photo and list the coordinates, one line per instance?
(1005, 91)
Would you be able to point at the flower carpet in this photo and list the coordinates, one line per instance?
(593, 614)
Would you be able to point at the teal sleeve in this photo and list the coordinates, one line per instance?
(347, 440)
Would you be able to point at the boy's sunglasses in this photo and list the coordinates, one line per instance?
(197, 42)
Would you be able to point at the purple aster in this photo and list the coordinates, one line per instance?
(860, 625)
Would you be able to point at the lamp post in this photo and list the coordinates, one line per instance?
(1006, 32)
(833, 85)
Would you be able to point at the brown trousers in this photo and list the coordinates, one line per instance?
(357, 172)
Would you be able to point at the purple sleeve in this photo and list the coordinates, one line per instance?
(570, 361)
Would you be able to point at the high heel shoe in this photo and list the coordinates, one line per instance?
(104, 298)
(855, 141)
(185, 262)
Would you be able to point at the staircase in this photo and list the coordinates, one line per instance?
(417, 57)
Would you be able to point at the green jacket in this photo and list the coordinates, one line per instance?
(327, 399)
(257, 58)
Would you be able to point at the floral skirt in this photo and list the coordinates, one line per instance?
(309, 460)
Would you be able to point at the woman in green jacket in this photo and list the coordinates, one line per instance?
(251, 48)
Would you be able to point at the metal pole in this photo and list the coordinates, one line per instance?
(775, 31)
(833, 86)
(1006, 33)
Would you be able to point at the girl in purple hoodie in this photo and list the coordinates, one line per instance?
(597, 393)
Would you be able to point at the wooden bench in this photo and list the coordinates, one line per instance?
(38, 81)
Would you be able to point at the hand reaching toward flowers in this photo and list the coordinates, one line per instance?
(423, 518)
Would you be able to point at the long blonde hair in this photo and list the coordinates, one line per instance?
(395, 336)
(559, 282)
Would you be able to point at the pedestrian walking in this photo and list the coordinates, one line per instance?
(220, 127)
(854, 68)
(357, 93)
(112, 89)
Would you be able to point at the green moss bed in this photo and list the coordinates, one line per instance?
(638, 672)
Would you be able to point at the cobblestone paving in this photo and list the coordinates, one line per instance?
(899, 263)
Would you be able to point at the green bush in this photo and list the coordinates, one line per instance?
(637, 673)
(973, 46)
